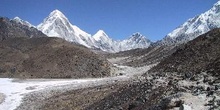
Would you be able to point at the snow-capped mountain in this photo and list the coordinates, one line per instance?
(194, 27)
(58, 25)
(26, 23)
(104, 42)
(135, 41)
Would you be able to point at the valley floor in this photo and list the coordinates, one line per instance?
(15, 92)
(126, 90)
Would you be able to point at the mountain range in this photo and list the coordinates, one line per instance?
(58, 25)
(193, 27)
(179, 72)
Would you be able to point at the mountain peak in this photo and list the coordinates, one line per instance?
(101, 35)
(57, 14)
(54, 20)
(137, 36)
(57, 25)
(194, 27)
(136, 33)
(215, 8)
(56, 11)
(136, 40)
(19, 20)
(217, 4)
(101, 31)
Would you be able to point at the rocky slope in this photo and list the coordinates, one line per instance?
(119, 96)
(48, 57)
(26, 23)
(142, 57)
(12, 28)
(187, 79)
(161, 49)
(26, 52)
(199, 55)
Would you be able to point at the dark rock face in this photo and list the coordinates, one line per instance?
(201, 54)
(11, 29)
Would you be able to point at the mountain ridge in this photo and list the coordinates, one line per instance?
(193, 27)
(11, 28)
(19, 20)
(58, 25)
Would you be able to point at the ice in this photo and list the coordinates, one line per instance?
(16, 89)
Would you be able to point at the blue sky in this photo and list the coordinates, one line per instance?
(118, 18)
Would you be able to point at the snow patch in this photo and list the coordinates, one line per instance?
(15, 89)
(186, 107)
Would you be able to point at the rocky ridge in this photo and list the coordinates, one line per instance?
(193, 27)
(11, 28)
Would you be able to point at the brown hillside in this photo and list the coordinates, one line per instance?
(49, 58)
(142, 57)
(9, 29)
(201, 54)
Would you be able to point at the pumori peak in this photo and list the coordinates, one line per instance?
(58, 14)
(57, 25)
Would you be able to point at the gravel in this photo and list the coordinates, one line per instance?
(2, 97)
